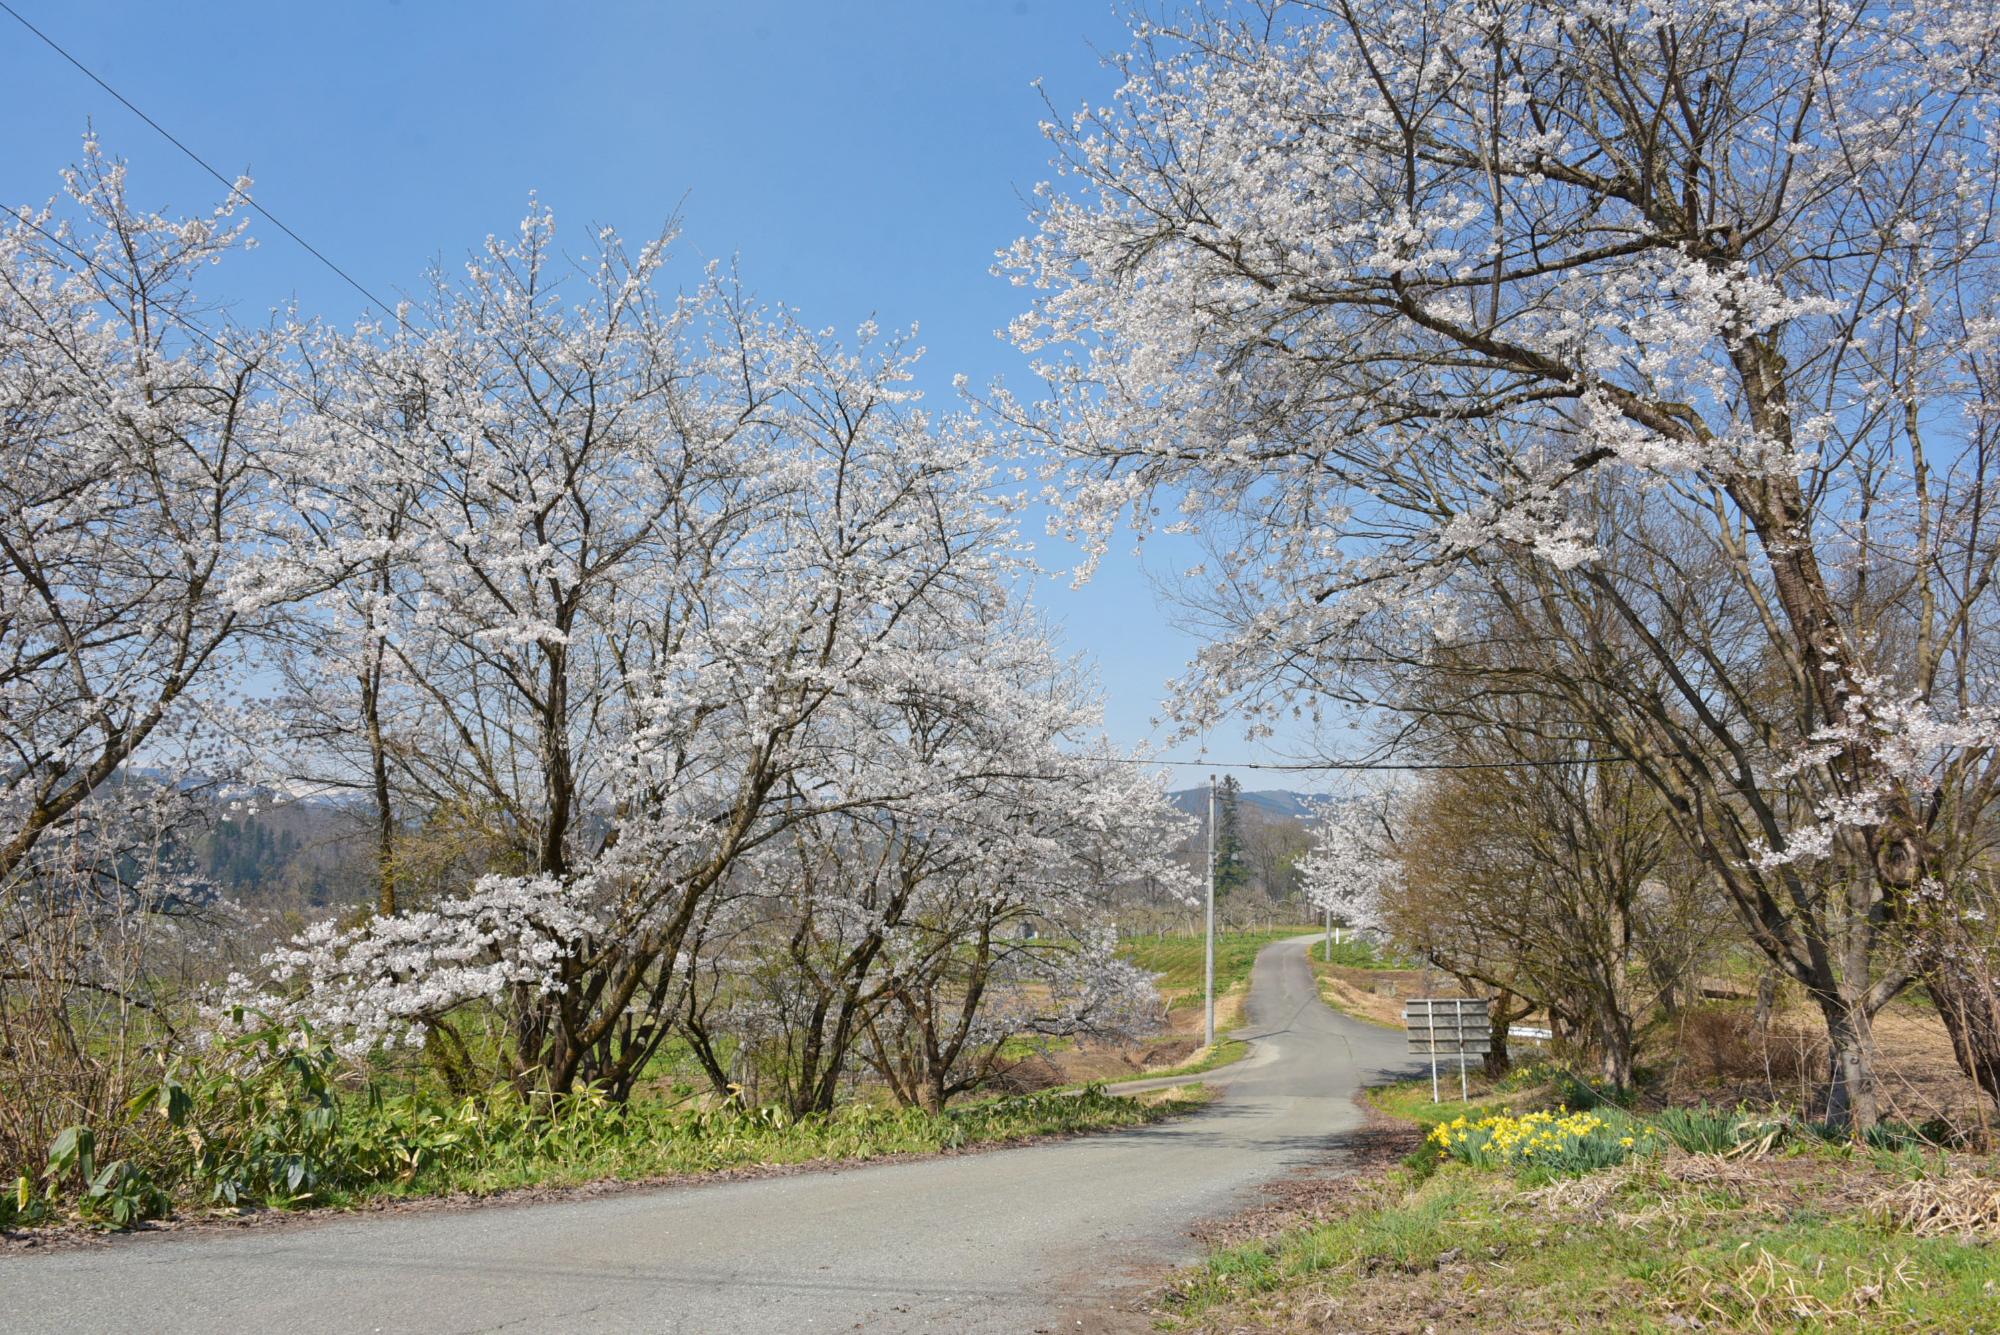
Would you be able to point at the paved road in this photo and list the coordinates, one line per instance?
(1050, 1237)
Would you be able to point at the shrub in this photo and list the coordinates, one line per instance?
(1720, 1042)
(117, 1194)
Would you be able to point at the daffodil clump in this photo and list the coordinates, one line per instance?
(1552, 1143)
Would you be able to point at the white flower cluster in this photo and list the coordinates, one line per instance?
(383, 982)
(1351, 870)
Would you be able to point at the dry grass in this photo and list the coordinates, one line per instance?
(1767, 1293)
(1959, 1204)
(1714, 1053)
(1374, 995)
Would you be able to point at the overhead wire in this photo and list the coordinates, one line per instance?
(227, 184)
(236, 191)
(25, 217)
(1318, 766)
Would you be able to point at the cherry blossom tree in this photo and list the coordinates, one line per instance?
(1352, 870)
(136, 425)
(135, 442)
(640, 587)
(1404, 302)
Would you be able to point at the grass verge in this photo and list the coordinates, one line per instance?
(1813, 1237)
(648, 1143)
(1225, 1051)
(406, 1148)
(1356, 954)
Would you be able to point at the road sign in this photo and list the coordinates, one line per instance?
(1449, 1025)
(1458, 1027)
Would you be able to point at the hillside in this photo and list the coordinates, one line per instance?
(1269, 803)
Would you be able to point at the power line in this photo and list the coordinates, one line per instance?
(25, 217)
(388, 308)
(1314, 767)
(227, 184)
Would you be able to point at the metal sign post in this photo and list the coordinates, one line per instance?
(1454, 1026)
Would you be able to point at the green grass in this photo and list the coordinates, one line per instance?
(273, 1128)
(1355, 954)
(1022, 1046)
(650, 1141)
(1177, 959)
(1784, 1242)
(1411, 1101)
(1483, 1248)
(1225, 1051)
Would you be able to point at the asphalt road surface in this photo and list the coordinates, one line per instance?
(1067, 1236)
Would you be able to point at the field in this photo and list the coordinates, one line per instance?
(1177, 961)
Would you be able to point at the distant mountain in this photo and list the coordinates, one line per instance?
(1268, 802)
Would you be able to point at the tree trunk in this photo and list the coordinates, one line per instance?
(1498, 1060)
(1614, 1041)
(1507, 1010)
(378, 762)
(1850, 1098)
(1969, 1005)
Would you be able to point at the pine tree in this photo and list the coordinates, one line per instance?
(1232, 868)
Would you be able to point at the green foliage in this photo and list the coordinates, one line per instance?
(1232, 866)
(1706, 1130)
(259, 1119)
(118, 1194)
(263, 1120)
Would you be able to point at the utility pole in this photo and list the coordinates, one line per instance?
(1328, 952)
(1208, 940)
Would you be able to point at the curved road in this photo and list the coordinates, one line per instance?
(1065, 1235)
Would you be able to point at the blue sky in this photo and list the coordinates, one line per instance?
(861, 159)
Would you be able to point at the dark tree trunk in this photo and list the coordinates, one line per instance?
(1969, 1005)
